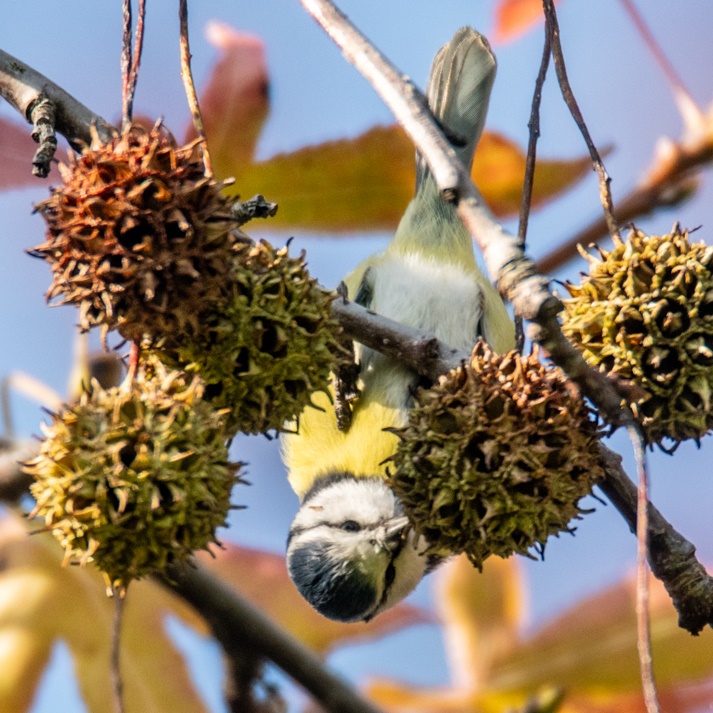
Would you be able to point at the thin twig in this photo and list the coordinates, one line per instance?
(117, 683)
(130, 60)
(190, 87)
(236, 622)
(568, 96)
(127, 99)
(138, 51)
(643, 629)
(530, 162)
(420, 350)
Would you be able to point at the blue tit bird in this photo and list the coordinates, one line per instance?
(350, 551)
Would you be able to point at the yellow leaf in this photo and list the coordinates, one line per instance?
(481, 613)
(41, 603)
(592, 647)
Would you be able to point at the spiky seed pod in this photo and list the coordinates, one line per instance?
(495, 457)
(134, 480)
(645, 314)
(137, 236)
(267, 346)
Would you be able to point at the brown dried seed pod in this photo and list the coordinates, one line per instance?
(645, 314)
(134, 479)
(137, 236)
(266, 346)
(496, 457)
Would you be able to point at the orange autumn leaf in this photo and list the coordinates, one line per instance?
(261, 577)
(348, 185)
(499, 171)
(515, 17)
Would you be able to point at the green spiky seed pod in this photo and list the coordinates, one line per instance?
(267, 346)
(645, 314)
(495, 457)
(134, 480)
(137, 236)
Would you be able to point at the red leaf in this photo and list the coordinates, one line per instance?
(16, 149)
(235, 102)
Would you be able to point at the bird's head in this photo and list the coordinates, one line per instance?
(350, 551)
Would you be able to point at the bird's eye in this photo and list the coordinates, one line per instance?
(350, 526)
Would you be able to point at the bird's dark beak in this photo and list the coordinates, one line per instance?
(393, 532)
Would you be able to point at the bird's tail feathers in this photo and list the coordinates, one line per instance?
(459, 87)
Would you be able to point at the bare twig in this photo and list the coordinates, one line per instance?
(117, 683)
(190, 87)
(643, 628)
(131, 61)
(528, 182)
(24, 87)
(236, 622)
(568, 96)
(420, 350)
(127, 99)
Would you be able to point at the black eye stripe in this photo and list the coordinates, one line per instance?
(349, 526)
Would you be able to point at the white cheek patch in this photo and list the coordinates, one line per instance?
(367, 501)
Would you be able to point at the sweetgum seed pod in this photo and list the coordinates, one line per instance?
(134, 479)
(266, 346)
(137, 236)
(496, 457)
(645, 314)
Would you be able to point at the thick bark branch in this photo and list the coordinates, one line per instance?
(24, 87)
(238, 625)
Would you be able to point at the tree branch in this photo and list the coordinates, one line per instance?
(507, 264)
(671, 556)
(237, 623)
(23, 87)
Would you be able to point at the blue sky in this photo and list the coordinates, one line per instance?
(316, 95)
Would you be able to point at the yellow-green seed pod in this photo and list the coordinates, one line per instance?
(266, 346)
(645, 314)
(134, 479)
(496, 457)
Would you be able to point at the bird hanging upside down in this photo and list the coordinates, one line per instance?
(350, 551)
